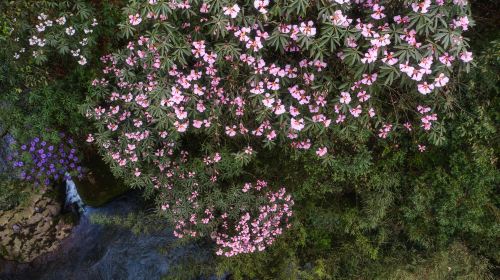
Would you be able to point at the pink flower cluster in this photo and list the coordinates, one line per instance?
(255, 233)
(426, 119)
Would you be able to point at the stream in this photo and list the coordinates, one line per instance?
(95, 251)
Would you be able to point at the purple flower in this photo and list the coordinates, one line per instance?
(45, 165)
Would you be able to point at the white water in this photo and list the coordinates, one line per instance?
(72, 196)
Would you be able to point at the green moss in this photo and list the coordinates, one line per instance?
(99, 185)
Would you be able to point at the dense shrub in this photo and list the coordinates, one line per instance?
(371, 121)
(249, 76)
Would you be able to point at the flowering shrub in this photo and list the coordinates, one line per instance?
(43, 162)
(62, 27)
(293, 73)
(241, 231)
(256, 234)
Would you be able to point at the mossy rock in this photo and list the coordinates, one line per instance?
(99, 186)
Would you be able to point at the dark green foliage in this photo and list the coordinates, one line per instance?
(139, 222)
(12, 193)
(99, 186)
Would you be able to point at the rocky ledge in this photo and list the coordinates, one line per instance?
(32, 229)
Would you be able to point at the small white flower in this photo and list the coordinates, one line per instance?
(75, 52)
(70, 31)
(40, 27)
(82, 60)
(33, 40)
(94, 23)
(16, 56)
(42, 16)
(87, 31)
(41, 42)
(84, 42)
(61, 21)
(48, 23)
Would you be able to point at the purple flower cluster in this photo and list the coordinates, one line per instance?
(44, 163)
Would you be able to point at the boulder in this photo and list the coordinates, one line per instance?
(33, 220)
(32, 229)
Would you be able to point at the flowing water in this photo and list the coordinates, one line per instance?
(94, 251)
(72, 196)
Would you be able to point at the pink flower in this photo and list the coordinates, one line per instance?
(462, 22)
(362, 96)
(137, 173)
(135, 19)
(369, 79)
(378, 11)
(446, 59)
(181, 127)
(340, 118)
(441, 80)
(421, 148)
(90, 138)
(345, 97)
(268, 101)
(308, 29)
(339, 19)
(261, 5)
(371, 112)
(355, 112)
(297, 124)
(231, 11)
(321, 151)
(466, 56)
(389, 58)
(246, 187)
(425, 88)
(421, 7)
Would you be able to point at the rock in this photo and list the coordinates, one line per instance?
(16, 228)
(53, 209)
(5, 218)
(42, 228)
(35, 219)
(16, 249)
(5, 237)
(33, 229)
